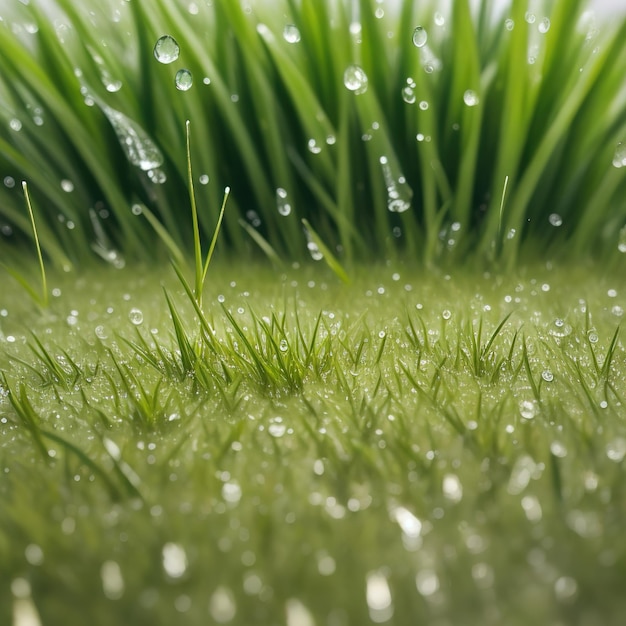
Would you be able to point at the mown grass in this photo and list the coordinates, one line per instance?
(453, 441)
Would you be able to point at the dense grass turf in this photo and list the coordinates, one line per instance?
(442, 447)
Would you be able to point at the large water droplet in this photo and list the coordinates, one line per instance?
(277, 428)
(355, 79)
(555, 219)
(470, 97)
(137, 145)
(291, 34)
(166, 49)
(183, 80)
(282, 203)
(420, 37)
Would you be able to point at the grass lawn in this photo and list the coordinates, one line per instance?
(412, 460)
(427, 426)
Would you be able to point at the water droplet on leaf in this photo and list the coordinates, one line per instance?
(183, 80)
(355, 79)
(291, 33)
(166, 49)
(420, 37)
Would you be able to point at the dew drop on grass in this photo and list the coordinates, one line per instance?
(378, 596)
(410, 525)
(555, 219)
(427, 582)
(439, 19)
(67, 186)
(183, 80)
(174, 560)
(282, 202)
(291, 34)
(420, 37)
(15, 125)
(408, 95)
(544, 25)
(399, 194)
(231, 492)
(204, 179)
(452, 488)
(137, 145)
(112, 580)
(470, 97)
(277, 428)
(136, 316)
(547, 375)
(222, 605)
(616, 449)
(166, 49)
(530, 17)
(619, 159)
(509, 24)
(527, 409)
(355, 79)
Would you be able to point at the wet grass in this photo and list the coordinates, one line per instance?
(336, 113)
(428, 446)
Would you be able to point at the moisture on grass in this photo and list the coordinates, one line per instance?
(415, 448)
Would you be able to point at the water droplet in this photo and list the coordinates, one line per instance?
(427, 582)
(411, 526)
(277, 428)
(560, 328)
(565, 588)
(166, 49)
(136, 316)
(420, 37)
(284, 207)
(616, 449)
(446, 314)
(67, 186)
(34, 554)
(222, 605)
(112, 580)
(137, 145)
(408, 95)
(157, 176)
(399, 194)
(378, 596)
(527, 409)
(532, 508)
(174, 560)
(544, 25)
(619, 159)
(9, 183)
(530, 17)
(439, 19)
(547, 375)
(183, 80)
(204, 179)
(355, 79)
(297, 614)
(291, 33)
(313, 146)
(555, 219)
(558, 449)
(15, 125)
(509, 24)
(231, 492)
(470, 97)
(452, 488)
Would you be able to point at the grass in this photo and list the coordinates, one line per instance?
(411, 163)
(428, 427)
(460, 447)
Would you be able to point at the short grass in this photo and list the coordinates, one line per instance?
(413, 448)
